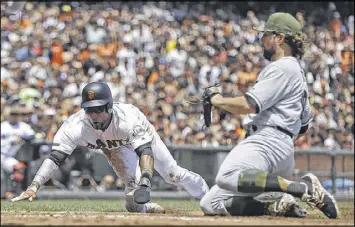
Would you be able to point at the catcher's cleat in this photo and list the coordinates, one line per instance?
(318, 197)
(155, 208)
(286, 206)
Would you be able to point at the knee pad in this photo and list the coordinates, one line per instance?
(248, 181)
(245, 206)
(252, 181)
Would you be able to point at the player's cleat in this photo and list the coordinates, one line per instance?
(318, 197)
(154, 208)
(286, 206)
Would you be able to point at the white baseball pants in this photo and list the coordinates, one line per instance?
(125, 163)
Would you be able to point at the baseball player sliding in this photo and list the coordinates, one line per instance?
(277, 110)
(132, 147)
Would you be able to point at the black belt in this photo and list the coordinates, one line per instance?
(254, 127)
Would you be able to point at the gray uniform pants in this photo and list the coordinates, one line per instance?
(266, 149)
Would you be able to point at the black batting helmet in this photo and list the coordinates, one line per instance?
(96, 94)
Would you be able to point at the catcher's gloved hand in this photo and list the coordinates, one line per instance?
(142, 193)
(207, 105)
(29, 194)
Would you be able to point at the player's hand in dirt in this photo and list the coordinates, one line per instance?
(142, 193)
(29, 194)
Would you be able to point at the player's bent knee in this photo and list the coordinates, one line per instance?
(228, 180)
(225, 183)
(248, 181)
(206, 206)
(211, 204)
(172, 175)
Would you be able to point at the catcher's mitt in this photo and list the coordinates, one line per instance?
(207, 105)
(206, 101)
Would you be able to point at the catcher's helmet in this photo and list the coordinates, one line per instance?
(96, 94)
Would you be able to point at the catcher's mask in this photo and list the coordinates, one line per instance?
(97, 103)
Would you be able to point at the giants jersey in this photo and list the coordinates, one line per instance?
(128, 128)
(281, 94)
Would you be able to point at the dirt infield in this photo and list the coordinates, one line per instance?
(178, 212)
(108, 218)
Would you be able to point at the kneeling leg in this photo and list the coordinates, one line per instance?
(222, 202)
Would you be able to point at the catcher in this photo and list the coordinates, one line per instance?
(277, 110)
(132, 147)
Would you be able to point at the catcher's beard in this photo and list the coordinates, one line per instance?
(268, 53)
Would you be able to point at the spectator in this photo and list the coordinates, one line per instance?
(155, 54)
(107, 183)
(56, 52)
(14, 134)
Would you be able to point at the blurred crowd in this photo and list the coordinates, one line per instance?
(156, 54)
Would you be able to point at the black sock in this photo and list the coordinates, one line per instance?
(254, 180)
(276, 183)
(245, 206)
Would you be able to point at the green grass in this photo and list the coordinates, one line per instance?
(91, 205)
(179, 207)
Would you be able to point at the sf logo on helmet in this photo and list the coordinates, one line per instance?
(90, 94)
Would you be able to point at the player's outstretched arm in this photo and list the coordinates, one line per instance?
(236, 105)
(44, 173)
(146, 163)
